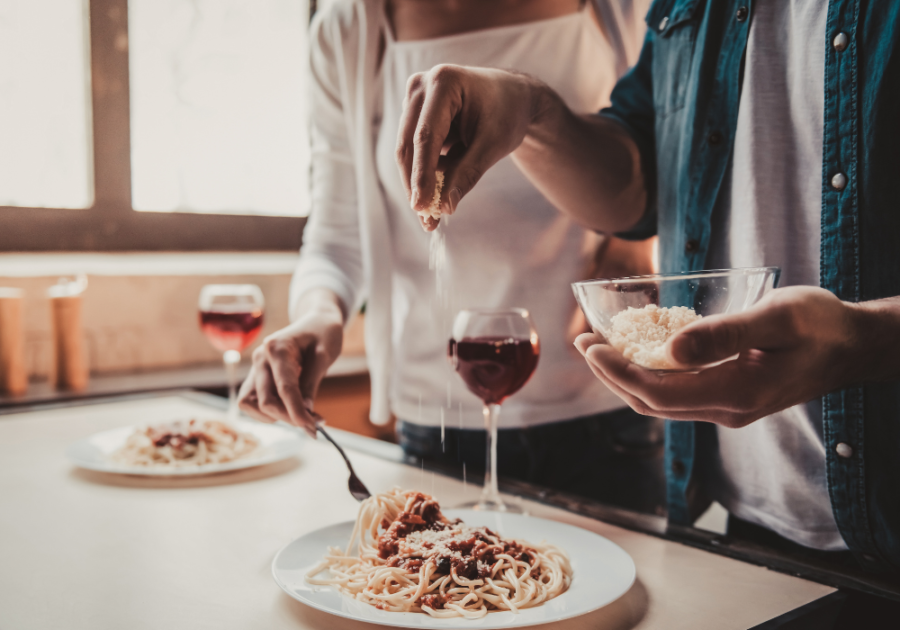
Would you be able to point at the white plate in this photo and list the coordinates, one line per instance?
(275, 443)
(602, 572)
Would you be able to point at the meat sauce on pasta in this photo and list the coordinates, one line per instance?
(406, 556)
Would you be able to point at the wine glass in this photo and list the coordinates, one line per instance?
(231, 316)
(495, 352)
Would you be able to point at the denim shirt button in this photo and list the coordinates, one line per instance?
(692, 246)
(678, 467)
(663, 23)
(839, 181)
(841, 41)
(742, 14)
(844, 450)
(714, 138)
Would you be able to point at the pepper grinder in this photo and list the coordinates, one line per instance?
(13, 375)
(69, 361)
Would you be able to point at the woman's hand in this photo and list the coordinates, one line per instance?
(797, 344)
(289, 365)
(476, 116)
(462, 121)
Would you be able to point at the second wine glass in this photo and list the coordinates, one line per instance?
(495, 352)
(231, 317)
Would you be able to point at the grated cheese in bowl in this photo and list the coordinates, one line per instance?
(640, 334)
(617, 308)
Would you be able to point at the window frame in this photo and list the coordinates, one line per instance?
(111, 223)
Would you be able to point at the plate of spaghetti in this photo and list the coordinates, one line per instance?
(184, 447)
(405, 563)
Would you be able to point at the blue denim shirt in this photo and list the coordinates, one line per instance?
(680, 104)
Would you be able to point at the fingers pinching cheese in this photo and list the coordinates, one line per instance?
(433, 213)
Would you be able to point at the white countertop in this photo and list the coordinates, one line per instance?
(84, 550)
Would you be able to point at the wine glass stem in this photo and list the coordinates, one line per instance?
(491, 492)
(232, 358)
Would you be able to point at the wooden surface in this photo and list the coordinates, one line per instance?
(13, 375)
(88, 550)
(70, 368)
(344, 401)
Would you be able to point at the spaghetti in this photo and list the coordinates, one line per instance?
(405, 556)
(185, 443)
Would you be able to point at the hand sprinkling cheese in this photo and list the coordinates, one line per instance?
(432, 216)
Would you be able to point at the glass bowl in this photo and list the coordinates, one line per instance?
(712, 292)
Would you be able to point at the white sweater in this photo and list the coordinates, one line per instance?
(348, 224)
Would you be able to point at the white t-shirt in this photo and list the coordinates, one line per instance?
(506, 245)
(772, 472)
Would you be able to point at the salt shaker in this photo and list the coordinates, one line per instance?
(69, 362)
(13, 375)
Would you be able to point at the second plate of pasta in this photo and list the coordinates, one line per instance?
(148, 450)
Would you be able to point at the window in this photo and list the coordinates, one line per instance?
(216, 106)
(152, 124)
(45, 127)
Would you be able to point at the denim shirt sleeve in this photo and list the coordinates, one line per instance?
(632, 107)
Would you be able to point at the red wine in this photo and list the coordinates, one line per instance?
(231, 330)
(494, 368)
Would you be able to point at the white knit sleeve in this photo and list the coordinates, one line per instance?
(330, 256)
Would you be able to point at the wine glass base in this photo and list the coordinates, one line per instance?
(493, 505)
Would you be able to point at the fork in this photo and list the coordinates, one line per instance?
(357, 487)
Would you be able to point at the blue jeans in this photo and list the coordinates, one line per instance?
(615, 458)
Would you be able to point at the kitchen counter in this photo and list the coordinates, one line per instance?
(80, 549)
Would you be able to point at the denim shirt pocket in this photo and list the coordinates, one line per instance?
(675, 29)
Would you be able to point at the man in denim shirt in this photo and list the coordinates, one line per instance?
(662, 159)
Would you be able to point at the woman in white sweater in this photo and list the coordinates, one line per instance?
(505, 246)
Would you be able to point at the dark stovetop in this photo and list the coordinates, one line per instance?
(841, 610)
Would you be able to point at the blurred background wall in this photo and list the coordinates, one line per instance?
(140, 310)
(156, 146)
(141, 313)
